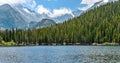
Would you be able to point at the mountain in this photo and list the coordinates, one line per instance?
(96, 4)
(97, 26)
(61, 19)
(20, 17)
(32, 24)
(66, 17)
(29, 15)
(42, 23)
(10, 18)
(78, 12)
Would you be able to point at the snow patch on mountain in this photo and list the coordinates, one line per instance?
(91, 3)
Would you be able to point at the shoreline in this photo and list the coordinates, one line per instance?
(4, 44)
(57, 45)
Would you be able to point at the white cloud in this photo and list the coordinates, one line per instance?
(12, 1)
(42, 10)
(61, 11)
(85, 8)
(91, 3)
(105, 1)
(54, 13)
(31, 4)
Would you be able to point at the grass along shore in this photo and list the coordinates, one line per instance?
(106, 44)
(12, 43)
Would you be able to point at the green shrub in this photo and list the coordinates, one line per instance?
(110, 44)
(11, 43)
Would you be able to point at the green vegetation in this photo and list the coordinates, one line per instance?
(99, 26)
(106, 44)
(11, 43)
(3, 43)
(110, 44)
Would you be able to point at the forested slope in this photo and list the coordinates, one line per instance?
(98, 25)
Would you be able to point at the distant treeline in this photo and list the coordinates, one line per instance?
(98, 25)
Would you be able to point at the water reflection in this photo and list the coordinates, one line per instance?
(60, 54)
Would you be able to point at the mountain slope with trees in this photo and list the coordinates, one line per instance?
(99, 25)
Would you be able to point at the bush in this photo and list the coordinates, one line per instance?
(1, 39)
(110, 44)
(95, 44)
(11, 43)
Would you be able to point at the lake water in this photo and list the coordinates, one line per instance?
(60, 54)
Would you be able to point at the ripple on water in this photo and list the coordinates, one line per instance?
(60, 54)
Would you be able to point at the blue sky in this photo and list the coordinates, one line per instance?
(56, 4)
(53, 8)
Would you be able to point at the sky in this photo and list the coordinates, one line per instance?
(52, 4)
(53, 7)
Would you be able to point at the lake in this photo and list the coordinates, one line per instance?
(60, 54)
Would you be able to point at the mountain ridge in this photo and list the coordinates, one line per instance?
(10, 18)
(20, 17)
(42, 23)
